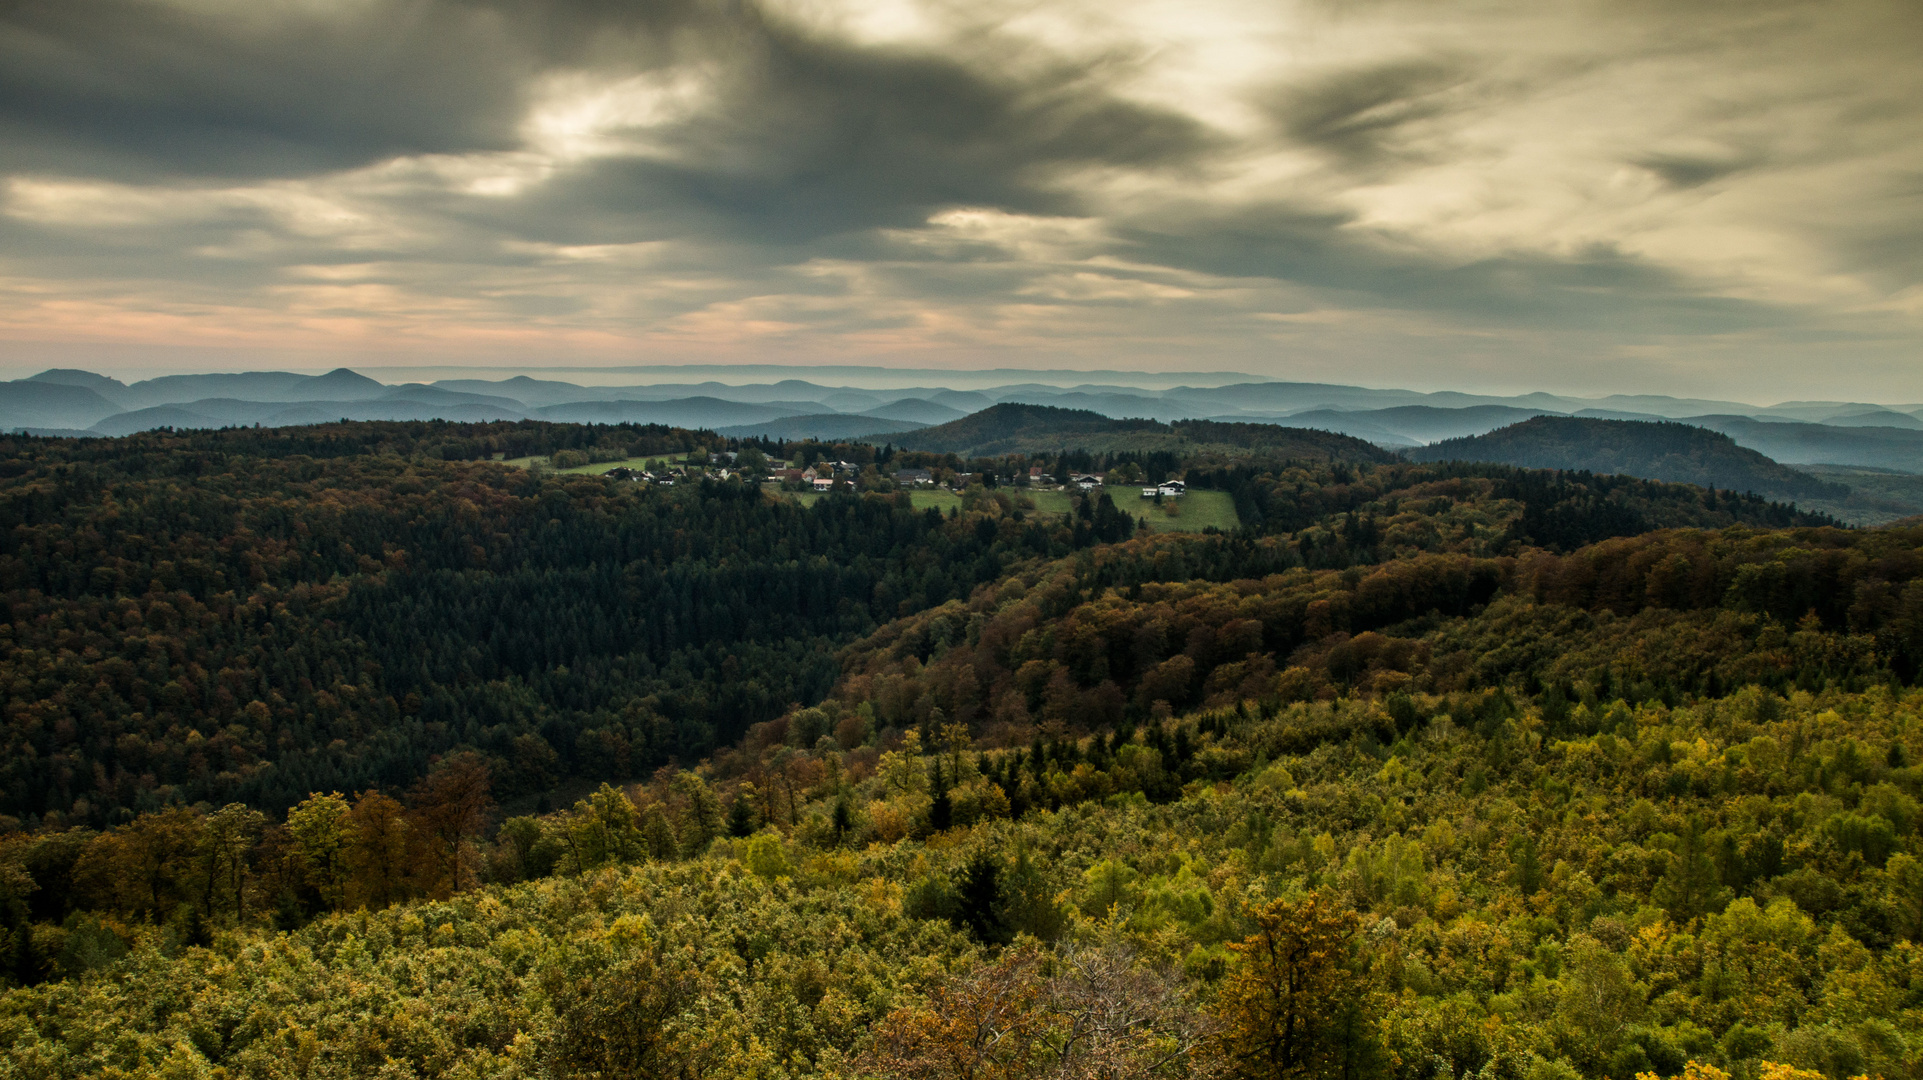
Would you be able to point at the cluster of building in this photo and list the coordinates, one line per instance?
(824, 475)
(820, 476)
(663, 477)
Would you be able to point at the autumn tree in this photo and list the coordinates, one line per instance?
(616, 1019)
(450, 806)
(319, 828)
(1285, 1008)
(1087, 1013)
(145, 868)
(604, 827)
(701, 819)
(227, 840)
(377, 843)
(986, 1025)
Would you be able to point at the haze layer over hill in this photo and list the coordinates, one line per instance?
(1844, 433)
(1675, 452)
(1154, 413)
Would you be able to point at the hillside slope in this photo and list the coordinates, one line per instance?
(1679, 453)
(1688, 835)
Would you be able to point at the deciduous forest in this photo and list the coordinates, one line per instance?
(359, 750)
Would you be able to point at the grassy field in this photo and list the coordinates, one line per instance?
(603, 466)
(923, 499)
(1196, 511)
(595, 469)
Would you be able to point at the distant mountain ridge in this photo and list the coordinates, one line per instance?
(52, 404)
(1652, 450)
(1836, 433)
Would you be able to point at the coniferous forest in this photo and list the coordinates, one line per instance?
(373, 749)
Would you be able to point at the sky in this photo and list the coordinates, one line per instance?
(1709, 197)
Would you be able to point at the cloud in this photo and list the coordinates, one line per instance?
(1358, 114)
(1524, 193)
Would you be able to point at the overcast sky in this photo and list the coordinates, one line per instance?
(1672, 196)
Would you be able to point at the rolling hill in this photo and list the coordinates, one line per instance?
(1842, 433)
(1000, 428)
(1653, 450)
(692, 412)
(1013, 427)
(917, 411)
(1801, 443)
(31, 403)
(829, 426)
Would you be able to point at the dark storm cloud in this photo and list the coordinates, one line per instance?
(124, 88)
(130, 89)
(606, 166)
(1359, 115)
(816, 140)
(1694, 170)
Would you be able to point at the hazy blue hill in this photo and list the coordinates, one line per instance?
(690, 412)
(1877, 418)
(1813, 443)
(41, 404)
(337, 385)
(1679, 453)
(111, 389)
(916, 411)
(534, 393)
(234, 412)
(963, 401)
(857, 401)
(438, 395)
(159, 416)
(1416, 424)
(824, 426)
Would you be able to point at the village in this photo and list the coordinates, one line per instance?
(825, 476)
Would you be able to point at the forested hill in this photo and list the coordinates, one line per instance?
(1012, 427)
(326, 607)
(347, 752)
(1156, 627)
(1340, 515)
(1004, 427)
(1681, 453)
(319, 618)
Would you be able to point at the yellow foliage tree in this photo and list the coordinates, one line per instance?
(1283, 1008)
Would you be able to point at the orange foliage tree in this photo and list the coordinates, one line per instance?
(1288, 1008)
